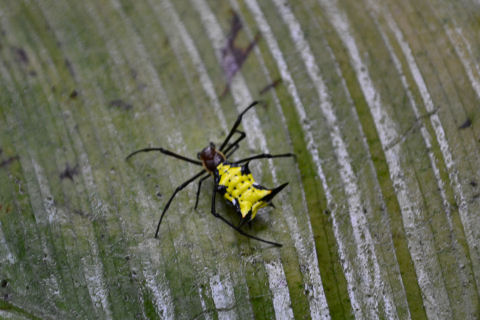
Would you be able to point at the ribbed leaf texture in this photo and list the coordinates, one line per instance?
(377, 99)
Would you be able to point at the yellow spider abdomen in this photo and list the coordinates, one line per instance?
(240, 189)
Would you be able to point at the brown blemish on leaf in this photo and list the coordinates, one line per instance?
(272, 85)
(417, 124)
(120, 104)
(69, 172)
(79, 212)
(20, 55)
(466, 124)
(6, 162)
(69, 66)
(233, 57)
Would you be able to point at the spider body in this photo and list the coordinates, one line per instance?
(238, 187)
(231, 179)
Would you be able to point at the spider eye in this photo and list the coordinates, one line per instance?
(212, 145)
(199, 155)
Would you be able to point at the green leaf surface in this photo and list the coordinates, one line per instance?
(377, 99)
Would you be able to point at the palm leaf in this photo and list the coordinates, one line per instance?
(378, 100)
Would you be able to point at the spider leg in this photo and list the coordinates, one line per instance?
(234, 145)
(180, 187)
(235, 148)
(166, 152)
(266, 156)
(236, 124)
(236, 142)
(216, 215)
(199, 187)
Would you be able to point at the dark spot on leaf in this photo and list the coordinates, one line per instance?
(272, 85)
(79, 212)
(73, 94)
(8, 161)
(69, 66)
(233, 57)
(20, 55)
(69, 172)
(120, 104)
(466, 124)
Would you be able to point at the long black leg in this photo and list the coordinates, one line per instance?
(216, 215)
(235, 148)
(236, 124)
(199, 187)
(180, 187)
(166, 152)
(266, 156)
(234, 144)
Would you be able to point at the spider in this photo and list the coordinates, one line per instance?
(233, 180)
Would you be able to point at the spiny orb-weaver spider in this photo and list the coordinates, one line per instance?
(231, 179)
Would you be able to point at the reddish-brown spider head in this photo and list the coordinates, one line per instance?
(211, 157)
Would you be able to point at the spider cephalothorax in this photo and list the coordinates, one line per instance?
(211, 157)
